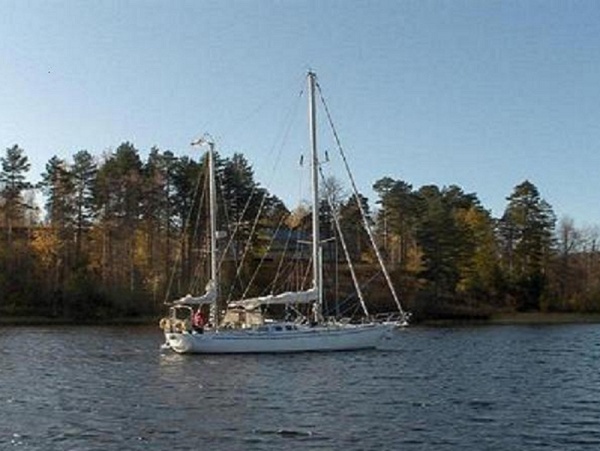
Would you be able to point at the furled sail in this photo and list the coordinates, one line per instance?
(209, 297)
(286, 298)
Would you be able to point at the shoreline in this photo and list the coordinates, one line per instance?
(546, 318)
(513, 318)
(43, 321)
(519, 318)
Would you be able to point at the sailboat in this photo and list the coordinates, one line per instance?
(253, 334)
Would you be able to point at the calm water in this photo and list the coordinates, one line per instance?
(480, 388)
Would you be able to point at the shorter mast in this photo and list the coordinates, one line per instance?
(212, 191)
(214, 276)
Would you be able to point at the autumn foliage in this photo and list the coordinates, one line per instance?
(117, 235)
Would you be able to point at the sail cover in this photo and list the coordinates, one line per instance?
(209, 297)
(286, 298)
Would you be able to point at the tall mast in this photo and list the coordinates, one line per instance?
(316, 240)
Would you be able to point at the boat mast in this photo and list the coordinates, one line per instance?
(212, 193)
(316, 240)
(214, 310)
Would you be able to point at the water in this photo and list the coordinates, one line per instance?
(475, 388)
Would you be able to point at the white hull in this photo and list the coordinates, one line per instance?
(302, 339)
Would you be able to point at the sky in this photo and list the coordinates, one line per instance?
(479, 94)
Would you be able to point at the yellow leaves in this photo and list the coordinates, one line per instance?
(414, 260)
(298, 216)
(47, 245)
(141, 251)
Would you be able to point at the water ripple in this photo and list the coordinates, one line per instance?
(510, 387)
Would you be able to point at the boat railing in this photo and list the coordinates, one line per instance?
(398, 318)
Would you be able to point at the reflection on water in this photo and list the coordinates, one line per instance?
(443, 389)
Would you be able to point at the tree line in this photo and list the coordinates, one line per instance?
(459, 259)
(118, 234)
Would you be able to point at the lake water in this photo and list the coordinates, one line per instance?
(467, 388)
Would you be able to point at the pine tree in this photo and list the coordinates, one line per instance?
(54, 243)
(397, 219)
(83, 172)
(527, 232)
(118, 194)
(15, 166)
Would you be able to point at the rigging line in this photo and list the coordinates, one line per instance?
(307, 275)
(194, 282)
(307, 278)
(359, 203)
(348, 309)
(284, 138)
(262, 260)
(179, 256)
(271, 287)
(248, 245)
(336, 220)
(287, 124)
(221, 258)
(364, 286)
(295, 263)
(347, 305)
(371, 279)
(281, 140)
(291, 282)
(237, 125)
(237, 224)
(290, 278)
(280, 264)
(287, 127)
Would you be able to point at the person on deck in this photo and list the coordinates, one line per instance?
(198, 321)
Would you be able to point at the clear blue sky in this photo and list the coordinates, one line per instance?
(482, 94)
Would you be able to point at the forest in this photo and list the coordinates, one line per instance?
(118, 236)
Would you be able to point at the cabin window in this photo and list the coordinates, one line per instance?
(278, 328)
(289, 327)
(182, 313)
